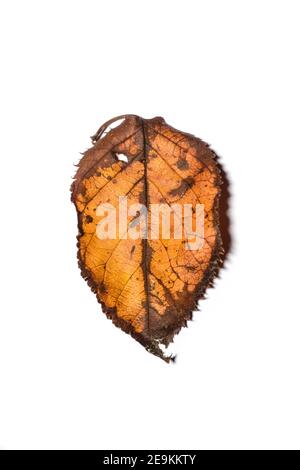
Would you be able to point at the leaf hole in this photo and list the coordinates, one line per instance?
(122, 157)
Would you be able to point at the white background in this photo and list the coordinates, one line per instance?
(227, 72)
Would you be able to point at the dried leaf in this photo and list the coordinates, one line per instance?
(148, 287)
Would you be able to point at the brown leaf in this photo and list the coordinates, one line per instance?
(148, 287)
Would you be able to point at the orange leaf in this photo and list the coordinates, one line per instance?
(148, 282)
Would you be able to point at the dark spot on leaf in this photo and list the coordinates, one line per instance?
(185, 184)
(132, 250)
(182, 164)
(89, 219)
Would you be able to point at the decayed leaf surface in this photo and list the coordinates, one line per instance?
(148, 287)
